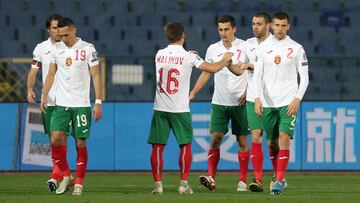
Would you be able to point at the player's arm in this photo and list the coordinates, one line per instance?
(95, 74)
(215, 67)
(200, 83)
(258, 71)
(30, 84)
(303, 69)
(49, 81)
(239, 68)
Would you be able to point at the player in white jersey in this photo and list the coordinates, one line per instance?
(41, 60)
(278, 63)
(261, 29)
(73, 62)
(171, 107)
(228, 103)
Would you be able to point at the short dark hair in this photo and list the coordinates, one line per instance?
(281, 16)
(63, 22)
(227, 19)
(264, 15)
(51, 18)
(174, 31)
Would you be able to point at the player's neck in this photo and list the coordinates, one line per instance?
(263, 38)
(52, 41)
(279, 38)
(178, 43)
(228, 44)
(74, 42)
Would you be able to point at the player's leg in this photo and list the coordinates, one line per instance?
(81, 124)
(239, 125)
(158, 137)
(56, 173)
(182, 128)
(270, 120)
(257, 155)
(286, 129)
(59, 130)
(219, 120)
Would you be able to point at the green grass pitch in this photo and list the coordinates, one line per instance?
(136, 187)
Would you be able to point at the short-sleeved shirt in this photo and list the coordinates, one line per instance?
(228, 86)
(249, 48)
(41, 59)
(173, 71)
(73, 73)
(279, 62)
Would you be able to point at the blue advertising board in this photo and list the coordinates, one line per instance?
(325, 139)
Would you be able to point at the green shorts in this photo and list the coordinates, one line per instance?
(255, 121)
(78, 117)
(221, 115)
(276, 120)
(47, 118)
(162, 122)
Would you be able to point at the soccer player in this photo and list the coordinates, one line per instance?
(41, 60)
(228, 103)
(261, 30)
(73, 61)
(171, 106)
(278, 63)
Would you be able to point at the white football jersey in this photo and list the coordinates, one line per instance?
(249, 48)
(173, 71)
(228, 86)
(41, 59)
(278, 64)
(73, 73)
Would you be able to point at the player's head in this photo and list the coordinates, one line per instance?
(51, 26)
(175, 32)
(67, 31)
(261, 23)
(226, 28)
(280, 24)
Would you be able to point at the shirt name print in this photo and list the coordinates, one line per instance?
(170, 60)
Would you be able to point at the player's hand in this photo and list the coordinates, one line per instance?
(258, 107)
(227, 56)
(43, 104)
(31, 96)
(192, 96)
(293, 107)
(242, 99)
(248, 66)
(97, 112)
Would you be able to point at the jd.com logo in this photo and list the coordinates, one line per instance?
(201, 138)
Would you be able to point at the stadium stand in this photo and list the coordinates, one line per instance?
(125, 31)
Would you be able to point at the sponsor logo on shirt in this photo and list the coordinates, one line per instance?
(68, 61)
(269, 52)
(277, 59)
(48, 52)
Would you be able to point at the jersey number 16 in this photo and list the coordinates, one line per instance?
(170, 79)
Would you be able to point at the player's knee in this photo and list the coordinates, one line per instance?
(80, 143)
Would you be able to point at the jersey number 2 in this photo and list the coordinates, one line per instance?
(170, 79)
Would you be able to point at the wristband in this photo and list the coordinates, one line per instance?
(98, 101)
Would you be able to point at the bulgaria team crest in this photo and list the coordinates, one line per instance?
(68, 61)
(277, 59)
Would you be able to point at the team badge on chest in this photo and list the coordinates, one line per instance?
(68, 61)
(277, 59)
